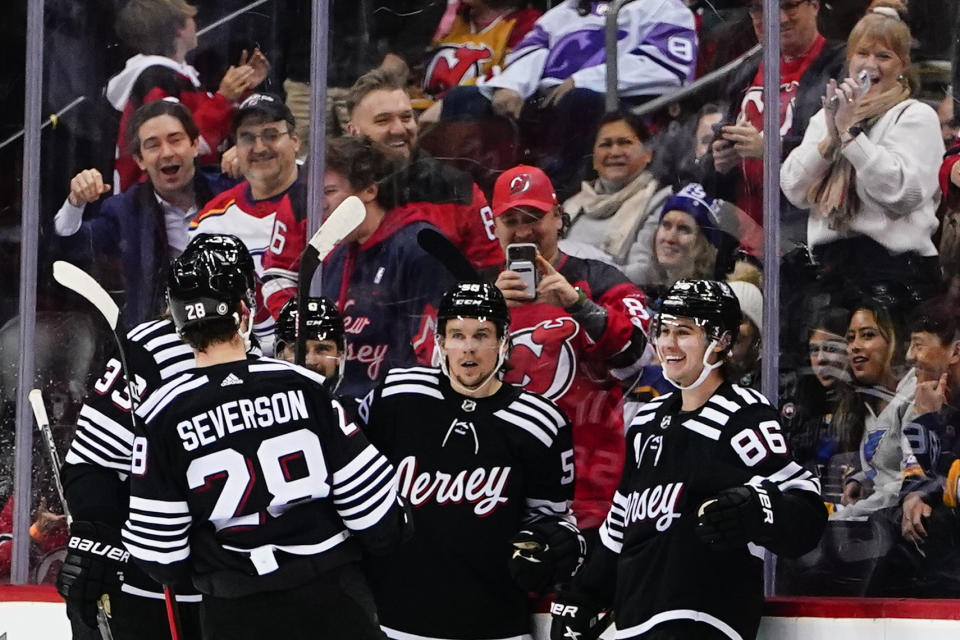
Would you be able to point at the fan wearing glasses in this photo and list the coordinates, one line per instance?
(266, 153)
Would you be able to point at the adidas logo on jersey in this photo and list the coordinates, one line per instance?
(658, 502)
(231, 380)
(482, 487)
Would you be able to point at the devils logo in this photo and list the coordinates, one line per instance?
(543, 359)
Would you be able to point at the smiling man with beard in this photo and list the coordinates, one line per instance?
(146, 225)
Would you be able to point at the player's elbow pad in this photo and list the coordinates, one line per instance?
(393, 530)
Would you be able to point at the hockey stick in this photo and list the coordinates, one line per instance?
(43, 423)
(339, 224)
(82, 283)
(447, 254)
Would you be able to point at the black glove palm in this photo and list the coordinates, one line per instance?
(545, 553)
(93, 566)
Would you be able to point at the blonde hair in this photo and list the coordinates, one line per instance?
(151, 26)
(883, 24)
(703, 265)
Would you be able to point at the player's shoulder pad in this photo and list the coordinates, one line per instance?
(536, 415)
(155, 346)
(266, 365)
(732, 405)
(160, 399)
(648, 412)
(418, 381)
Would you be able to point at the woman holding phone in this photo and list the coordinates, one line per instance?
(867, 166)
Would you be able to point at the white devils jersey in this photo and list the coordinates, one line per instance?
(474, 470)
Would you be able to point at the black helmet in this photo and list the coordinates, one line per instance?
(323, 322)
(711, 302)
(212, 274)
(474, 300)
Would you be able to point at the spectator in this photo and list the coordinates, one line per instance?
(686, 241)
(745, 355)
(934, 353)
(617, 212)
(386, 287)
(874, 417)
(809, 404)
(481, 35)
(734, 170)
(146, 225)
(163, 32)
(267, 146)
(949, 123)
(380, 109)
(555, 80)
(577, 339)
(950, 220)
(867, 169)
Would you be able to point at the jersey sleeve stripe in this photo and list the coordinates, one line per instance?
(362, 475)
(746, 397)
(155, 539)
(178, 507)
(93, 420)
(548, 507)
(360, 499)
(725, 403)
(533, 429)
(155, 532)
(714, 416)
(388, 499)
(176, 351)
(549, 425)
(90, 441)
(79, 454)
(142, 330)
(607, 540)
(643, 418)
(164, 339)
(411, 388)
(347, 472)
(545, 407)
(178, 367)
(403, 376)
(702, 429)
(160, 557)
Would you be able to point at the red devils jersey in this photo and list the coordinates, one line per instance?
(751, 110)
(465, 54)
(236, 212)
(555, 357)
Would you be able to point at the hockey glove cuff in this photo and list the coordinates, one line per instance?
(545, 553)
(575, 616)
(93, 566)
(738, 515)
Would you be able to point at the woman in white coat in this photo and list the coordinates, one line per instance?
(867, 166)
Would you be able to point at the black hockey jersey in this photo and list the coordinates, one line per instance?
(248, 477)
(474, 470)
(675, 462)
(97, 466)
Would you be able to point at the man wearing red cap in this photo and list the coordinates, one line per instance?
(578, 339)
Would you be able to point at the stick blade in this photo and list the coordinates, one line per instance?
(447, 254)
(39, 410)
(345, 218)
(78, 280)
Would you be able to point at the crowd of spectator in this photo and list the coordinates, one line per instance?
(620, 206)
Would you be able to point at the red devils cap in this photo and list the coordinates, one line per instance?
(523, 186)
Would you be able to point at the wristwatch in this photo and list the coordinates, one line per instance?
(581, 300)
(850, 134)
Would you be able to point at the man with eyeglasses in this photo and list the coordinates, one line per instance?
(734, 168)
(267, 145)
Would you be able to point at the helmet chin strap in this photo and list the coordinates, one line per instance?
(471, 391)
(244, 333)
(707, 368)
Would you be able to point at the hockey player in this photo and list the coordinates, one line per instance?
(247, 479)
(267, 148)
(481, 463)
(96, 482)
(707, 483)
(326, 346)
(577, 339)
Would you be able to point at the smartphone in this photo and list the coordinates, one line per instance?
(863, 82)
(522, 259)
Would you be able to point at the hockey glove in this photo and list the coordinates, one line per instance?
(738, 515)
(573, 616)
(93, 566)
(546, 552)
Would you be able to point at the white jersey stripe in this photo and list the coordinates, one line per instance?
(533, 429)
(702, 429)
(349, 470)
(179, 507)
(545, 406)
(679, 614)
(394, 634)
(412, 388)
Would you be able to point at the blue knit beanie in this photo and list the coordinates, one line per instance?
(705, 210)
